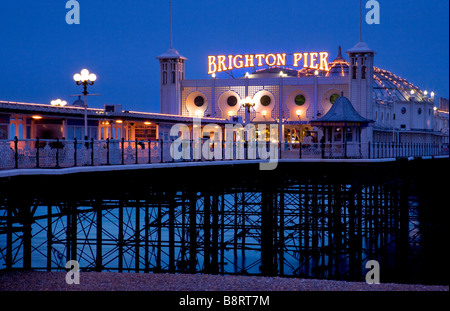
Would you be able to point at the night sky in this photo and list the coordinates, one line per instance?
(118, 40)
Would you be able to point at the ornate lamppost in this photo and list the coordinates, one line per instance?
(248, 104)
(85, 78)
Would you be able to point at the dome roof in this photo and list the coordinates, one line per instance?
(78, 103)
(390, 87)
(171, 54)
(360, 47)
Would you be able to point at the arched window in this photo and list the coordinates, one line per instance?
(12, 131)
(173, 76)
(164, 77)
(20, 134)
(354, 69)
(363, 72)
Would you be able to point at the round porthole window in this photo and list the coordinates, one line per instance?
(199, 101)
(300, 100)
(232, 101)
(333, 98)
(403, 110)
(265, 100)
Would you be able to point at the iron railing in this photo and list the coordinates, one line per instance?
(56, 153)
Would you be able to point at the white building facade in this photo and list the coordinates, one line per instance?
(401, 111)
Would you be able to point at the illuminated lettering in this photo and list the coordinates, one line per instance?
(230, 66)
(249, 60)
(212, 67)
(240, 62)
(311, 60)
(281, 59)
(323, 61)
(274, 60)
(305, 60)
(260, 57)
(297, 58)
(221, 63)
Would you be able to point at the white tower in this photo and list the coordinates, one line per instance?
(171, 75)
(361, 83)
(361, 78)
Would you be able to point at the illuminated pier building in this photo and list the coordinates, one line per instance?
(299, 87)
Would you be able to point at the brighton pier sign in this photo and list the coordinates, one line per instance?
(312, 60)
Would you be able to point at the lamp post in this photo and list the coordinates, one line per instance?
(58, 103)
(247, 104)
(85, 78)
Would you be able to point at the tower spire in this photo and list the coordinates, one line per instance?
(170, 13)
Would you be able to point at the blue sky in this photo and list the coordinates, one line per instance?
(119, 40)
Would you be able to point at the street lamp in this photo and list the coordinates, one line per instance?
(248, 104)
(58, 103)
(85, 78)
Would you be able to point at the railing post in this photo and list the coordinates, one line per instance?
(300, 151)
(37, 152)
(345, 149)
(57, 152)
(16, 152)
(136, 149)
(92, 151)
(75, 152)
(245, 150)
(162, 151)
(123, 150)
(173, 160)
(149, 151)
(107, 151)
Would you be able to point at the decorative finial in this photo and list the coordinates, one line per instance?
(170, 12)
(360, 21)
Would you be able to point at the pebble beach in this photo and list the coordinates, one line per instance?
(109, 281)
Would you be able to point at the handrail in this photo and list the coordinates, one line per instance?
(56, 153)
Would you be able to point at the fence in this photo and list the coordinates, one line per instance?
(402, 150)
(55, 153)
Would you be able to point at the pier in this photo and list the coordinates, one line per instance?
(321, 219)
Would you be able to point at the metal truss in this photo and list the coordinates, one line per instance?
(302, 227)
